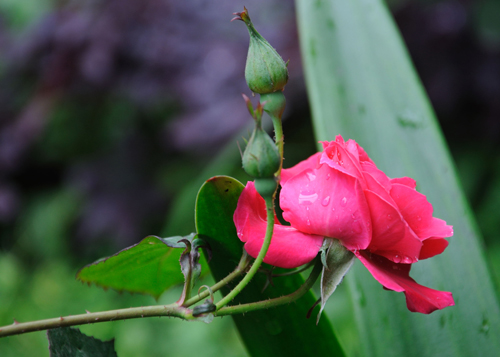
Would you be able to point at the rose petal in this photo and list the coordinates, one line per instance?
(336, 156)
(432, 247)
(311, 163)
(396, 277)
(417, 212)
(378, 175)
(391, 236)
(352, 148)
(436, 228)
(329, 203)
(407, 181)
(373, 185)
(363, 156)
(339, 139)
(289, 248)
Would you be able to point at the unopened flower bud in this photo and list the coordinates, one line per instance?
(265, 70)
(261, 158)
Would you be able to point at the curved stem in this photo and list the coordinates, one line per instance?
(240, 269)
(260, 258)
(94, 317)
(280, 140)
(238, 309)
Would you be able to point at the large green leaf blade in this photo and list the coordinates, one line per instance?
(149, 267)
(362, 85)
(282, 331)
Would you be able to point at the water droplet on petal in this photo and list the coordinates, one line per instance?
(397, 259)
(308, 222)
(310, 175)
(419, 218)
(308, 198)
(406, 260)
(325, 201)
(389, 217)
(328, 177)
(343, 202)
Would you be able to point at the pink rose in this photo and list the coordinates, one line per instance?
(340, 193)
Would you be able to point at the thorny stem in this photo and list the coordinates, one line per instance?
(94, 317)
(258, 261)
(173, 310)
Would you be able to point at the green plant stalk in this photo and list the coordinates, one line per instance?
(243, 308)
(186, 290)
(240, 269)
(278, 133)
(258, 261)
(173, 310)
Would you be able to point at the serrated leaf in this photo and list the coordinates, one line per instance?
(281, 331)
(338, 261)
(149, 267)
(70, 342)
(361, 84)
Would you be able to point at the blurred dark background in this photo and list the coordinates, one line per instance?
(108, 108)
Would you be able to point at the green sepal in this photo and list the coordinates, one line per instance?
(337, 261)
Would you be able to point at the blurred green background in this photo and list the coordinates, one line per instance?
(113, 113)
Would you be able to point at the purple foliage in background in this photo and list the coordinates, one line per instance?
(187, 59)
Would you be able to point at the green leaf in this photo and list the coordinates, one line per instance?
(70, 342)
(362, 85)
(149, 267)
(282, 331)
(338, 260)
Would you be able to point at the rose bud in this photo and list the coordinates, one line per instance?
(261, 158)
(265, 70)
